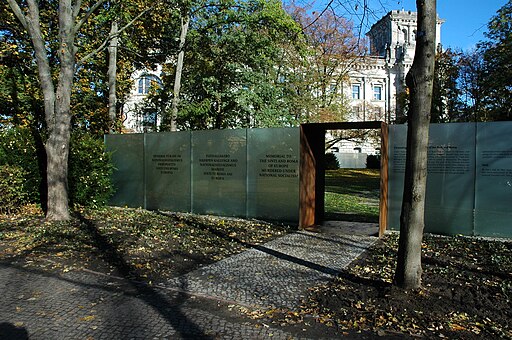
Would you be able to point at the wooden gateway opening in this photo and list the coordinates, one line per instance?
(312, 170)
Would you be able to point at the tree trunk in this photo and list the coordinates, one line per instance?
(420, 82)
(179, 69)
(59, 126)
(57, 103)
(112, 76)
(57, 151)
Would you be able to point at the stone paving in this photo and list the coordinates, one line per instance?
(277, 274)
(82, 305)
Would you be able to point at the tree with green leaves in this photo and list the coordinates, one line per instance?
(230, 78)
(446, 95)
(56, 90)
(497, 55)
(61, 39)
(470, 83)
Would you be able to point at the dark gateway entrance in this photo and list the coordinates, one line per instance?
(312, 170)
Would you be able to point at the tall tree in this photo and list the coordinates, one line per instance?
(128, 20)
(498, 65)
(112, 74)
(53, 29)
(445, 101)
(185, 22)
(470, 84)
(57, 97)
(228, 66)
(333, 47)
(420, 83)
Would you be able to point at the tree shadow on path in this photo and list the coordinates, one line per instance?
(293, 259)
(168, 309)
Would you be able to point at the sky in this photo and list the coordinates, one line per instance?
(465, 20)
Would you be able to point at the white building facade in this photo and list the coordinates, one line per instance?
(377, 81)
(133, 121)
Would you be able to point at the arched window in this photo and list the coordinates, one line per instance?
(146, 82)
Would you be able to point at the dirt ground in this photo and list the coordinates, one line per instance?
(467, 291)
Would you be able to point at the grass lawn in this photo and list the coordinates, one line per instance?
(352, 195)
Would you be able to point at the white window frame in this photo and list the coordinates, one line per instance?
(377, 95)
(358, 87)
(144, 83)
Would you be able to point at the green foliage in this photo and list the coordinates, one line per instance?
(497, 77)
(13, 193)
(471, 65)
(19, 149)
(445, 97)
(21, 97)
(90, 171)
(89, 166)
(331, 162)
(373, 162)
(230, 78)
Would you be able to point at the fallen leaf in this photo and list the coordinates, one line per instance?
(88, 318)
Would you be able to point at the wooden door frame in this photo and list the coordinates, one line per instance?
(312, 170)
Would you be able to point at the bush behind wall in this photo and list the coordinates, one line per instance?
(89, 172)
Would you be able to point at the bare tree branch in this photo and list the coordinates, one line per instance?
(18, 12)
(87, 15)
(318, 17)
(111, 36)
(76, 9)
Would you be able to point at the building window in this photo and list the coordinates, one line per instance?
(356, 91)
(377, 92)
(357, 150)
(145, 83)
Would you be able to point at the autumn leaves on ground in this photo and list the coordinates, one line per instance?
(467, 281)
(133, 243)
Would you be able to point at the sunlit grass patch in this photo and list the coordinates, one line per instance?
(352, 194)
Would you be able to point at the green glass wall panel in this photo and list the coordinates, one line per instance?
(493, 201)
(167, 158)
(273, 173)
(128, 178)
(396, 169)
(451, 177)
(450, 180)
(219, 169)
